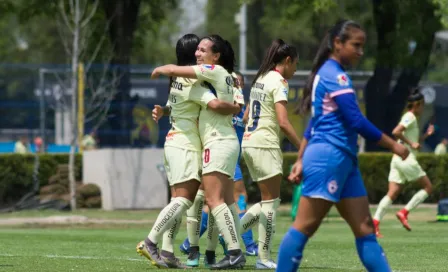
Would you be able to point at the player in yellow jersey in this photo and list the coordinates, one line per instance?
(261, 142)
(403, 171)
(215, 63)
(182, 154)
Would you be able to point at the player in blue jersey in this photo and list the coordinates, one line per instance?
(329, 166)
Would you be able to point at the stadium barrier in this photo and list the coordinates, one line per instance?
(16, 175)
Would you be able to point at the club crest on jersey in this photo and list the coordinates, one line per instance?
(343, 80)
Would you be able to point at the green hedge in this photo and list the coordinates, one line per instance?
(16, 175)
(375, 170)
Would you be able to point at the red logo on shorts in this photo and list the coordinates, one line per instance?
(332, 186)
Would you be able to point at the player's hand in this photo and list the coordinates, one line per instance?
(415, 146)
(155, 73)
(430, 130)
(400, 150)
(296, 172)
(157, 113)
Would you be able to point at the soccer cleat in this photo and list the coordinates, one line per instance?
(230, 262)
(223, 244)
(185, 247)
(193, 257)
(209, 258)
(265, 265)
(376, 225)
(173, 262)
(150, 251)
(252, 250)
(403, 217)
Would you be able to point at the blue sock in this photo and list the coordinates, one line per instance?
(291, 251)
(203, 223)
(371, 254)
(248, 237)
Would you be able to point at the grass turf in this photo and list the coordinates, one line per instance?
(111, 247)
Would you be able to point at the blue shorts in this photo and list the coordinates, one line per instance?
(330, 173)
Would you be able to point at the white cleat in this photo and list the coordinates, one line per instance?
(265, 265)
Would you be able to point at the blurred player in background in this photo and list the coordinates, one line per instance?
(261, 143)
(402, 171)
(330, 168)
(215, 63)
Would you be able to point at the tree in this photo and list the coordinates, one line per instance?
(123, 16)
(76, 28)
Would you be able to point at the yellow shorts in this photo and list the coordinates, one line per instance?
(404, 171)
(220, 156)
(263, 163)
(182, 165)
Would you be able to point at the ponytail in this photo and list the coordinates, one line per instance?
(276, 53)
(322, 55)
(341, 30)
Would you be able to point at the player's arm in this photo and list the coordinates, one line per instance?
(285, 125)
(246, 114)
(429, 131)
(223, 107)
(160, 111)
(398, 132)
(306, 138)
(296, 171)
(348, 106)
(174, 70)
(207, 99)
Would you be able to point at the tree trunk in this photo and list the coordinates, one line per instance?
(122, 16)
(74, 84)
(378, 86)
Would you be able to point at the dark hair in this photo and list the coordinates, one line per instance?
(227, 55)
(185, 51)
(276, 53)
(415, 97)
(340, 30)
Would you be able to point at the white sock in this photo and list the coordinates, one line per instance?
(266, 228)
(194, 218)
(382, 208)
(236, 218)
(212, 233)
(418, 198)
(167, 217)
(170, 235)
(251, 218)
(224, 221)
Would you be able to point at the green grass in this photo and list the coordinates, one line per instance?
(112, 247)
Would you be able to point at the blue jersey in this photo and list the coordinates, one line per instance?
(328, 123)
(238, 123)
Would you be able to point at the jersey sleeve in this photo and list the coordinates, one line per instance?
(281, 90)
(337, 84)
(407, 119)
(238, 96)
(201, 95)
(206, 72)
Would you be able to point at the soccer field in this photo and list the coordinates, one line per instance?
(108, 243)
